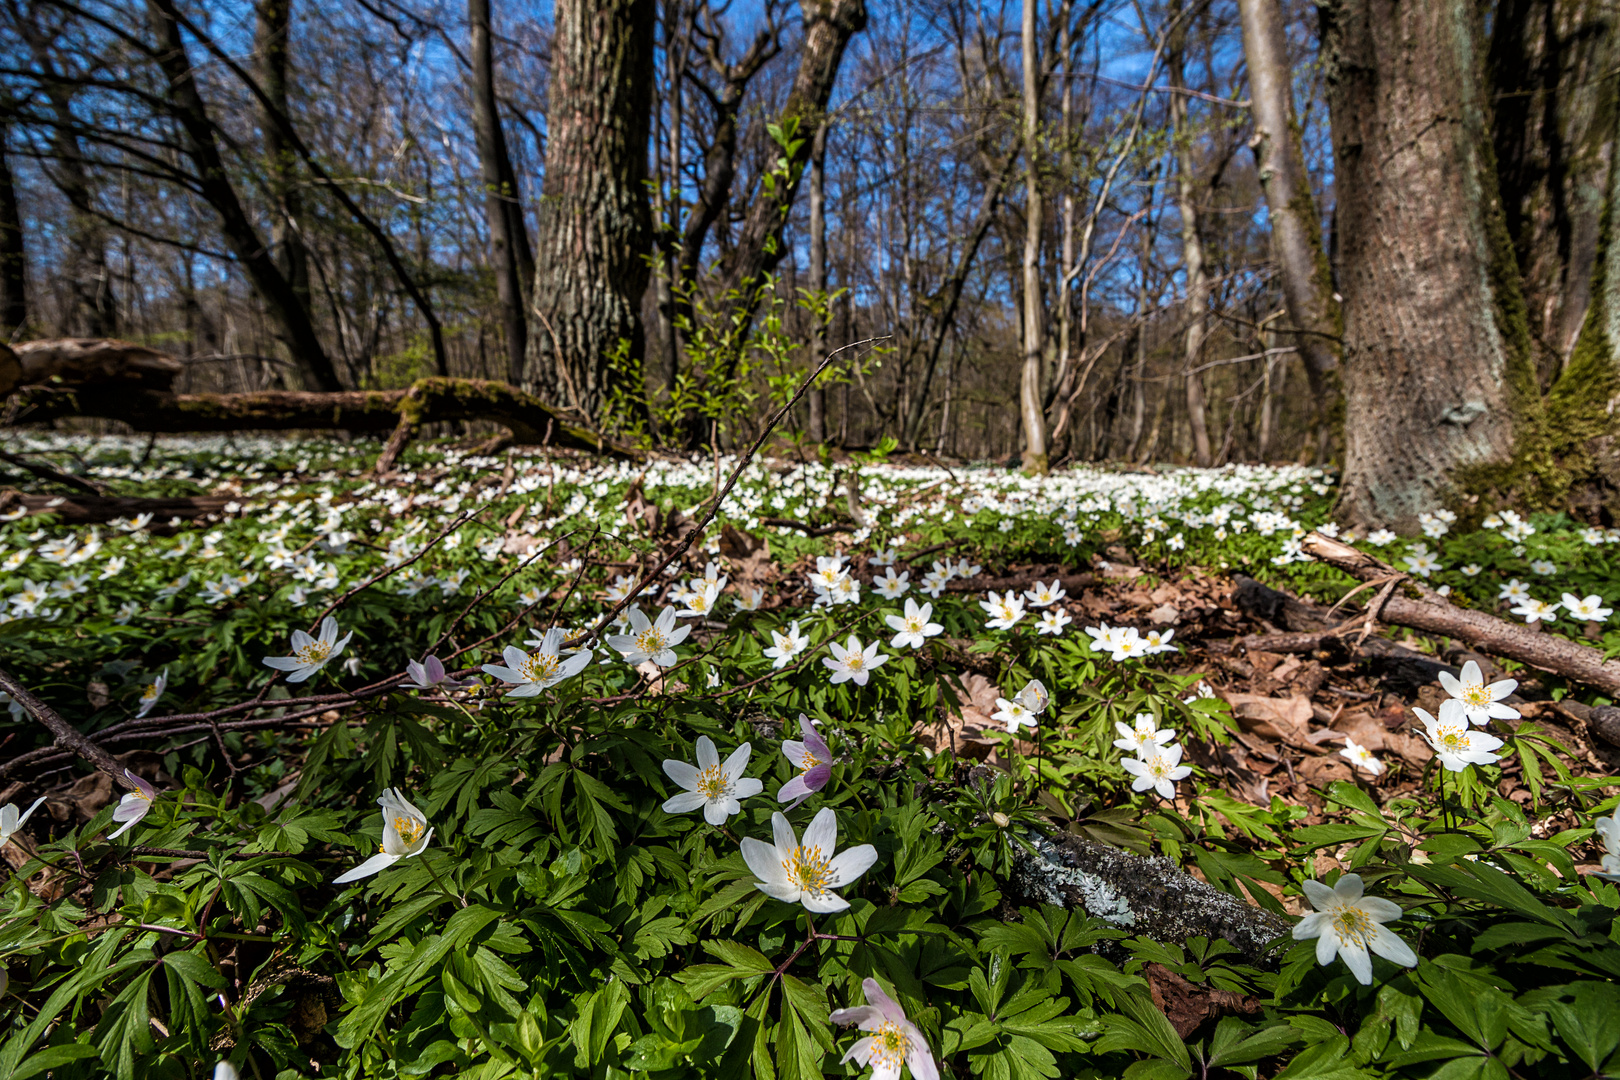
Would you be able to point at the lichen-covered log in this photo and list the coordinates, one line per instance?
(1151, 897)
(434, 400)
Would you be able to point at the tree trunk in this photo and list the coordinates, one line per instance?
(1192, 246)
(1296, 227)
(817, 395)
(1033, 417)
(13, 260)
(1552, 66)
(1436, 344)
(509, 256)
(273, 23)
(291, 318)
(595, 223)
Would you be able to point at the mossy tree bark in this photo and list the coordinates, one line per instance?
(1437, 367)
(595, 227)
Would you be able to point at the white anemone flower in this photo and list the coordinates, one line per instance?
(11, 821)
(806, 873)
(914, 626)
(1454, 744)
(1014, 713)
(892, 586)
(152, 692)
(1045, 595)
(1481, 702)
(1005, 610)
(133, 806)
(649, 640)
(1158, 770)
(1144, 736)
(405, 833)
(785, 645)
(1034, 697)
(700, 601)
(1608, 828)
(310, 654)
(530, 673)
(1052, 622)
(851, 662)
(894, 1039)
(1347, 924)
(1357, 754)
(718, 787)
(1587, 609)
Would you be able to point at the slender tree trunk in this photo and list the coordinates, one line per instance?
(595, 223)
(1552, 65)
(1192, 248)
(271, 33)
(1065, 137)
(1029, 385)
(510, 254)
(290, 317)
(1296, 227)
(818, 278)
(1436, 340)
(13, 260)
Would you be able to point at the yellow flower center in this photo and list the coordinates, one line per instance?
(808, 762)
(1476, 696)
(150, 692)
(315, 652)
(539, 667)
(1352, 924)
(809, 869)
(1452, 738)
(712, 782)
(651, 641)
(889, 1046)
(410, 829)
(914, 625)
(855, 660)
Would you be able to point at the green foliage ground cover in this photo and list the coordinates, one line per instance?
(559, 922)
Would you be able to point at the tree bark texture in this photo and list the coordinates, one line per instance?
(595, 225)
(13, 261)
(817, 397)
(271, 33)
(1192, 247)
(427, 401)
(1436, 345)
(510, 256)
(1030, 410)
(1554, 93)
(1296, 227)
(290, 316)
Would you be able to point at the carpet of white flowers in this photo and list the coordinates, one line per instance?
(762, 813)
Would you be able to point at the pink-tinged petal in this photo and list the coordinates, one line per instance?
(884, 1004)
(376, 864)
(861, 1052)
(141, 785)
(921, 1058)
(418, 673)
(795, 789)
(864, 1016)
(680, 772)
(817, 777)
(794, 751)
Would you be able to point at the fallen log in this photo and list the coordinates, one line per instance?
(1416, 606)
(101, 362)
(427, 401)
(100, 509)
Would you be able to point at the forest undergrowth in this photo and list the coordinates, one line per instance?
(765, 795)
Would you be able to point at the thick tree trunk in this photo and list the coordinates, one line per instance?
(1296, 227)
(290, 316)
(1031, 413)
(1552, 66)
(274, 23)
(1436, 346)
(13, 260)
(510, 255)
(1192, 249)
(817, 397)
(595, 223)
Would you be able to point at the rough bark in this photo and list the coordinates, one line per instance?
(433, 400)
(273, 23)
(1417, 606)
(817, 397)
(13, 261)
(1296, 227)
(1554, 94)
(106, 363)
(595, 222)
(1031, 413)
(1192, 247)
(1436, 345)
(509, 253)
(291, 317)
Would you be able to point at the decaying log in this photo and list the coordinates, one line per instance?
(100, 509)
(84, 362)
(1418, 607)
(1146, 896)
(433, 400)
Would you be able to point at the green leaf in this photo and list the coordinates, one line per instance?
(52, 1057)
